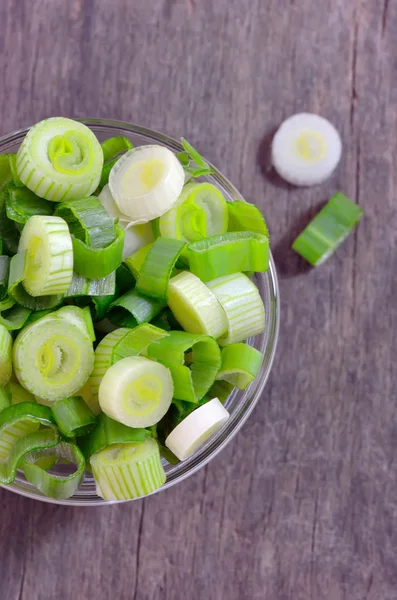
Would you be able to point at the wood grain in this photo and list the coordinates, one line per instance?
(303, 502)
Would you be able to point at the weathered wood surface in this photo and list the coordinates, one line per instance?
(303, 502)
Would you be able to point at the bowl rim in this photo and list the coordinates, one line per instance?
(235, 423)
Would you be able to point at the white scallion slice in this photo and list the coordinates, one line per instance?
(196, 429)
(306, 149)
(60, 159)
(5, 355)
(49, 256)
(136, 391)
(146, 182)
(127, 471)
(240, 299)
(195, 307)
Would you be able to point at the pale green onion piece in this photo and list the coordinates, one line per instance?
(240, 365)
(19, 394)
(55, 486)
(88, 396)
(200, 212)
(193, 163)
(12, 316)
(114, 146)
(22, 203)
(73, 417)
(136, 391)
(5, 398)
(96, 263)
(229, 253)
(197, 428)
(146, 182)
(240, 299)
(53, 357)
(306, 149)
(17, 291)
(329, 228)
(49, 256)
(133, 309)
(195, 307)
(127, 471)
(4, 270)
(80, 317)
(244, 216)
(60, 160)
(80, 286)
(120, 344)
(88, 221)
(135, 261)
(191, 382)
(5, 355)
(157, 267)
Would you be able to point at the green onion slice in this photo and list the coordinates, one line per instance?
(127, 471)
(5, 355)
(80, 317)
(53, 357)
(243, 306)
(107, 433)
(22, 203)
(133, 309)
(14, 171)
(4, 270)
(81, 286)
(8, 230)
(192, 382)
(5, 398)
(329, 228)
(96, 263)
(73, 417)
(104, 179)
(192, 162)
(19, 394)
(136, 260)
(55, 486)
(157, 267)
(199, 212)
(240, 365)
(114, 146)
(195, 306)
(60, 160)
(17, 291)
(221, 389)
(20, 435)
(229, 253)
(5, 168)
(125, 281)
(244, 216)
(12, 316)
(88, 221)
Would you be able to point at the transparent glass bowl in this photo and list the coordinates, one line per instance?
(240, 403)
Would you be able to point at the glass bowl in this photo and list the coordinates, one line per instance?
(240, 403)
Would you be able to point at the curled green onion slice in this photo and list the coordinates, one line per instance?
(60, 160)
(5, 355)
(133, 309)
(192, 162)
(244, 216)
(240, 365)
(88, 221)
(55, 486)
(96, 263)
(81, 286)
(136, 260)
(329, 228)
(20, 435)
(157, 267)
(229, 253)
(114, 146)
(73, 417)
(13, 316)
(17, 291)
(107, 433)
(192, 382)
(22, 203)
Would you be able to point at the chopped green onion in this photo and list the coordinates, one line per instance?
(246, 217)
(136, 391)
(104, 179)
(17, 291)
(133, 309)
(12, 316)
(240, 365)
(53, 357)
(136, 260)
(220, 389)
(96, 263)
(5, 398)
(127, 471)
(114, 146)
(192, 162)
(157, 267)
(107, 433)
(119, 344)
(199, 212)
(125, 281)
(229, 253)
(166, 320)
(22, 203)
(195, 306)
(4, 270)
(19, 394)
(55, 486)
(5, 355)
(60, 160)
(80, 286)
(5, 168)
(20, 435)
(14, 171)
(329, 228)
(88, 221)
(49, 256)
(8, 231)
(243, 306)
(73, 417)
(190, 383)
(80, 317)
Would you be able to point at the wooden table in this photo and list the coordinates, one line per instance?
(303, 502)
